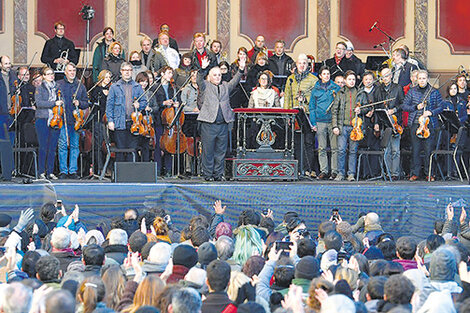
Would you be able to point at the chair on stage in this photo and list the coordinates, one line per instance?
(31, 145)
(455, 152)
(385, 171)
(112, 149)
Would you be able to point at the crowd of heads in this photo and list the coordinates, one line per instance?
(142, 262)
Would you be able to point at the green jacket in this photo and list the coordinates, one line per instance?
(345, 102)
(292, 89)
(302, 282)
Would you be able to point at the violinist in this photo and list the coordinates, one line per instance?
(144, 142)
(121, 103)
(429, 108)
(27, 88)
(74, 96)
(388, 90)
(7, 89)
(463, 92)
(98, 97)
(164, 98)
(371, 127)
(343, 111)
(48, 137)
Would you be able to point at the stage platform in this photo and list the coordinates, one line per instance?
(405, 208)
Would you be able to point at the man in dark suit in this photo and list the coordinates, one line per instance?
(54, 47)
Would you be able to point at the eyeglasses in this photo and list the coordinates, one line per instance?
(126, 70)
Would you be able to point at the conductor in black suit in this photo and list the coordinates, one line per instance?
(54, 47)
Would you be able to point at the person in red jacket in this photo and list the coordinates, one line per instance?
(259, 46)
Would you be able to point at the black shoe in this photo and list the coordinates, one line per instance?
(221, 178)
(63, 176)
(333, 176)
(73, 176)
(209, 178)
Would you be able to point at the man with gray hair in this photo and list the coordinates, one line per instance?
(17, 298)
(185, 300)
(121, 102)
(60, 242)
(225, 248)
(297, 94)
(214, 117)
(117, 248)
(60, 301)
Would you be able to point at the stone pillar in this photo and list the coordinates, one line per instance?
(323, 29)
(122, 23)
(421, 30)
(223, 25)
(20, 42)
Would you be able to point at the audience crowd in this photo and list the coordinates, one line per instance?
(140, 262)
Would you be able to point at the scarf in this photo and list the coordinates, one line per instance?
(300, 76)
(51, 89)
(266, 96)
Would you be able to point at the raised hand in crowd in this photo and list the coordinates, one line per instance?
(218, 208)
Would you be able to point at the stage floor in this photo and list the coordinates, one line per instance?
(405, 208)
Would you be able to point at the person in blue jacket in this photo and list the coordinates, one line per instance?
(322, 97)
(124, 97)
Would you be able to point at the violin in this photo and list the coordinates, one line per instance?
(423, 131)
(137, 127)
(78, 114)
(16, 101)
(356, 132)
(147, 121)
(397, 128)
(56, 121)
(169, 138)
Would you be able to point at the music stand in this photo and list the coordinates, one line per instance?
(384, 117)
(305, 126)
(450, 120)
(25, 115)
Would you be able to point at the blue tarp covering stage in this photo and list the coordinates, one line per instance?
(404, 208)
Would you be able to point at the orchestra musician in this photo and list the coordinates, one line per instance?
(200, 52)
(214, 116)
(321, 99)
(114, 60)
(144, 142)
(259, 47)
(297, 93)
(339, 64)
(401, 69)
(152, 59)
(184, 70)
(463, 92)
(216, 48)
(137, 66)
(74, 96)
(389, 90)
(57, 47)
(123, 98)
(102, 51)
(189, 94)
(342, 113)
(164, 98)
(240, 96)
(430, 108)
(280, 64)
(7, 90)
(171, 56)
(48, 137)
(173, 43)
(264, 96)
(27, 89)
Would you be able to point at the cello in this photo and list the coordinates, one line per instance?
(169, 139)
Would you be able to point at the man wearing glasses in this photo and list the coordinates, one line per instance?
(123, 99)
(54, 51)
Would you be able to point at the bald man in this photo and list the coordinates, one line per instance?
(259, 46)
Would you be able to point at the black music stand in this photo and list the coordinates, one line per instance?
(25, 115)
(450, 123)
(373, 63)
(384, 117)
(305, 126)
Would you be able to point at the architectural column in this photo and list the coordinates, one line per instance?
(323, 29)
(20, 42)
(223, 25)
(421, 30)
(122, 23)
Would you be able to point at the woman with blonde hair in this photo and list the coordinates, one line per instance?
(349, 275)
(90, 295)
(114, 60)
(318, 286)
(114, 281)
(147, 293)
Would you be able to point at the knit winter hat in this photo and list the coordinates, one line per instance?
(5, 219)
(206, 253)
(185, 255)
(307, 268)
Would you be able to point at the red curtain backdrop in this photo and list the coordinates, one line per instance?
(357, 17)
(50, 11)
(453, 24)
(184, 18)
(275, 19)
